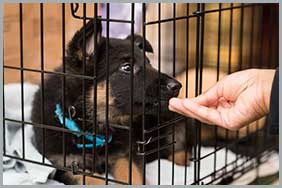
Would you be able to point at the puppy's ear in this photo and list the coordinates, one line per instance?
(76, 45)
(139, 42)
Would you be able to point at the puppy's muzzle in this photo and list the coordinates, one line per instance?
(173, 87)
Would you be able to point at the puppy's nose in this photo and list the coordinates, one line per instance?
(173, 86)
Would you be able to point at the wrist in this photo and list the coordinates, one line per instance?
(266, 77)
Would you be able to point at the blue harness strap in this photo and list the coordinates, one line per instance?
(71, 125)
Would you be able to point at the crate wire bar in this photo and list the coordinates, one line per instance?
(199, 15)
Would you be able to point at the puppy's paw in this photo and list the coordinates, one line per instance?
(179, 158)
(120, 171)
(88, 180)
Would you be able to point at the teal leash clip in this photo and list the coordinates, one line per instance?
(71, 125)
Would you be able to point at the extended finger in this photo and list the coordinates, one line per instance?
(202, 112)
(176, 105)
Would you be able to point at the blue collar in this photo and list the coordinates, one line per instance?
(71, 125)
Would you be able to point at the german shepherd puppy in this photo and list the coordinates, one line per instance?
(119, 106)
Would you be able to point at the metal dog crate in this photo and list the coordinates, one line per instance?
(256, 46)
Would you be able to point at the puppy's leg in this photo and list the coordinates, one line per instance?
(89, 180)
(69, 178)
(179, 158)
(120, 171)
(66, 177)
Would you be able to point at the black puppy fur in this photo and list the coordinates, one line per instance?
(119, 105)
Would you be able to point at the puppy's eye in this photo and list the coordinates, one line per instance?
(126, 67)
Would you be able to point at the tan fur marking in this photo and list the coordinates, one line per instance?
(101, 100)
(89, 180)
(114, 114)
(121, 171)
(207, 132)
(179, 158)
(101, 94)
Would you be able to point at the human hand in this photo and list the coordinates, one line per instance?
(233, 102)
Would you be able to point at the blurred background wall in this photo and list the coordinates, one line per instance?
(265, 34)
(265, 28)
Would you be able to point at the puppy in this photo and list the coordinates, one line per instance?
(51, 142)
